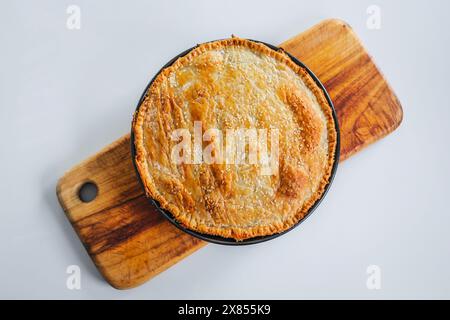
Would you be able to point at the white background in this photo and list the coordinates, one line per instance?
(64, 94)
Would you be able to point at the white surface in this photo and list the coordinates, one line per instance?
(65, 94)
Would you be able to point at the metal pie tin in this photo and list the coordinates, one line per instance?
(230, 241)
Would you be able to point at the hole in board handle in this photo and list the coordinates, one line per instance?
(88, 192)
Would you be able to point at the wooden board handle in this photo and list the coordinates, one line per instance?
(130, 242)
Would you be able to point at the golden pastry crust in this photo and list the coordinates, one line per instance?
(232, 84)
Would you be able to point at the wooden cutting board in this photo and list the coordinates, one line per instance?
(130, 242)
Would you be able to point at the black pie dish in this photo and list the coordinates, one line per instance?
(231, 241)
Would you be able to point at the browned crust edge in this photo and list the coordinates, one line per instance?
(238, 233)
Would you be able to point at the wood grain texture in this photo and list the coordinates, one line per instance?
(130, 242)
(366, 106)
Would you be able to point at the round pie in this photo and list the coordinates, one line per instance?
(235, 140)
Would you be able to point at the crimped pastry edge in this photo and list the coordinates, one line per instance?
(237, 233)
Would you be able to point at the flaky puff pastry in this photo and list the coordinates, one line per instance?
(235, 84)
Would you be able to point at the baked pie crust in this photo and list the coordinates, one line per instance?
(231, 84)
